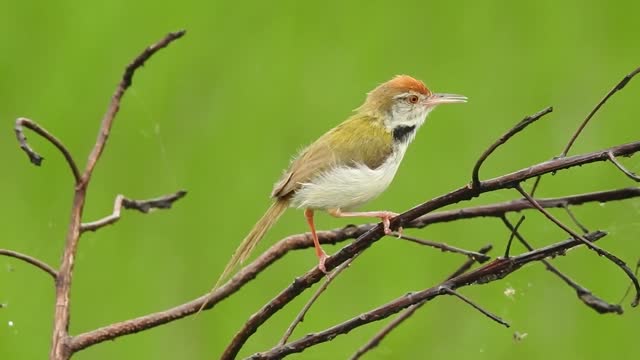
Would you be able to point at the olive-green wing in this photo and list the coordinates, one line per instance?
(359, 140)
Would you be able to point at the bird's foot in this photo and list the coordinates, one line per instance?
(386, 217)
(322, 257)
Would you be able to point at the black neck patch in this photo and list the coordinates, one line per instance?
(402, 132)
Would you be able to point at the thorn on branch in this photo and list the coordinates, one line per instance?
(144, 206)
(475, 177)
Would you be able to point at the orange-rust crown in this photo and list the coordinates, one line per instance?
(407, 83)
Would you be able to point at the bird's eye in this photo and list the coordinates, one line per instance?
(413, 99)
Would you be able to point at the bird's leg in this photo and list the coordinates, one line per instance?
(322, 256)
(385, 216)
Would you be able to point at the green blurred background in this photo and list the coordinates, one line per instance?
(221, 112)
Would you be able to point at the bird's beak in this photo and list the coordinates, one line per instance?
(436, 99)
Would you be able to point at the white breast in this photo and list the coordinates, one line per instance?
(346, 187)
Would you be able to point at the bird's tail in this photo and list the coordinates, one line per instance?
(251, 240)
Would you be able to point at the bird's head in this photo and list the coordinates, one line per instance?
(404, 101)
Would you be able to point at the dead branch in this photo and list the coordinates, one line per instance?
(144, 206)
(34, 157)
(620, 167)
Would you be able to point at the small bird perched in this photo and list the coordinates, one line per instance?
(352, 163)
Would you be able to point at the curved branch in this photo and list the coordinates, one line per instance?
(30, 260)
(475, 177)
(34, 157)
(619, 86)
(620, 167)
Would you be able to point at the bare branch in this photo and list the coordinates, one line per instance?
(583, 293)
(60, 348)
(500, 209)
(484, 312)
(479, 257)
(615, 162)
(300, 317)
(575, 219)
(619, 86)
(376, 339)
(621, 264)
(475, 178)
(34, 157)
(143, 206)
(30, 260)
(513, 231)
(497, 269)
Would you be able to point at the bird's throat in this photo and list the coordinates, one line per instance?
(402, 133)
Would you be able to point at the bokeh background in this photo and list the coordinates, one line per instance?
(221, 112)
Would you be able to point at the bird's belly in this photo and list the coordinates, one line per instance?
(344, 187)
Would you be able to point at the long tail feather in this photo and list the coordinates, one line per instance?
(251, 240)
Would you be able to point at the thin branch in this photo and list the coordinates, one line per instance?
(144, 206)
(300, 317)
(497, 269)
(586, 296)
(619, 86)
(500, 209)
(60, 344)
(621, 264)
(484, 312)
(513, 233)
(30, 260)
(379, 336)
(475, 177)
(479, 257)
(575, 219)
(630, 174)
(34, 157)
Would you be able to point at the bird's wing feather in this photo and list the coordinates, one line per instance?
(359, 140)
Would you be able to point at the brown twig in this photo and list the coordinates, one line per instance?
(586, 296)
(479, 257)
(30, 260)
(144, 206)
(407, 313)
(373, 235)
(300, 317)
(512, 234)
(575, 219)
(497, 269)
(621, 264)
(475, 177)
(34, 157)
(483, 311)
(619, 86)
(630, 174)
(61, 348)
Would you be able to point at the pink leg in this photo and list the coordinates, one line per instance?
(322, 256)
(385, 216)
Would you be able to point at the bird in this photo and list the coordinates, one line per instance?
(351, 164)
